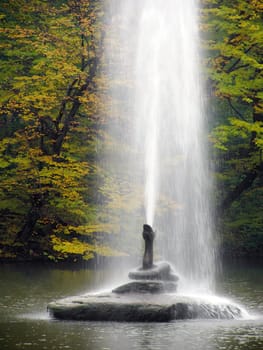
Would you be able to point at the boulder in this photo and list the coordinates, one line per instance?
(138, 308)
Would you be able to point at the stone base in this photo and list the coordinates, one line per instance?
(139, 308)
(150, 298)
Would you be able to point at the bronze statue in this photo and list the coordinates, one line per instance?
(148, 236)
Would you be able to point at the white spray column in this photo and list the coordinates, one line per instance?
(160, 55)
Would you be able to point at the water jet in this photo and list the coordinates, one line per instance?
(164, 132)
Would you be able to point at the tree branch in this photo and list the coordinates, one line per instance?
(245, 184)
(64, 102)
(234, 65)
(234, 109)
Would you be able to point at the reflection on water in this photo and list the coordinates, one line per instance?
(24, 323)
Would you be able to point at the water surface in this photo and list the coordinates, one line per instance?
(24, 323)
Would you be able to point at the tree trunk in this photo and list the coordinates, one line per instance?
(32, 217)
(250, 176)
(28, 228)
(238, 190)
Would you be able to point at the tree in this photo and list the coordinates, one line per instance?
(49, 115)
(234, 46)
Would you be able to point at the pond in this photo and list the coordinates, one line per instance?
(26, 289)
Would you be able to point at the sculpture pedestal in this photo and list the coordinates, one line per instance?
(150, 297)
(162, 271)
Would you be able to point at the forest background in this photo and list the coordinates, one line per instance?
(57, 201)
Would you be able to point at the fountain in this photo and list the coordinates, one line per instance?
(159, 41)
(150, 297)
